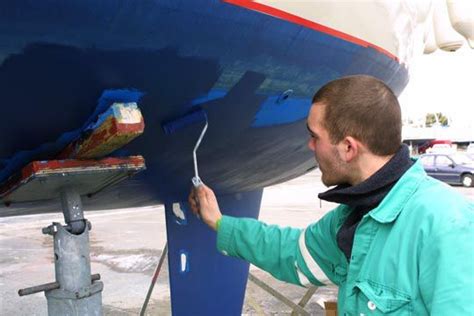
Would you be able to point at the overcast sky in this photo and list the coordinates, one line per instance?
(442, 82)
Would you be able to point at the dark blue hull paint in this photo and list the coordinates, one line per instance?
(58, 57)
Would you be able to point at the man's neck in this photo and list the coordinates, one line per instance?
(367, 165)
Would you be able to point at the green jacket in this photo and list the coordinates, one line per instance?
(412, 255)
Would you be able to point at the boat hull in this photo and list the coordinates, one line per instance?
(254, 75)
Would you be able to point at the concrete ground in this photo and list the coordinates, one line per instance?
(125, 248)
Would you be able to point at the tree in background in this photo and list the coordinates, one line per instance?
(433, 119)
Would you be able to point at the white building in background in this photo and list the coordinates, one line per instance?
(415, 133)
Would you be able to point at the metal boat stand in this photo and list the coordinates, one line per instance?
(75, 291)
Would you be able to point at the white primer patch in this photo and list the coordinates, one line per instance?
(184, 262)
(178, 212)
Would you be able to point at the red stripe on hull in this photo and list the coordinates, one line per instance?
(250, 4)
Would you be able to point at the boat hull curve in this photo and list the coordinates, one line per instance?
(252, 73)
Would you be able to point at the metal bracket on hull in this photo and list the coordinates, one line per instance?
(76, 291)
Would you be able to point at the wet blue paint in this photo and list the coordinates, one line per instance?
(212, 95)
(196, 116)
(274, 111)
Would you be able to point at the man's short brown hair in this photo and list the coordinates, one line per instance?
(362, 107)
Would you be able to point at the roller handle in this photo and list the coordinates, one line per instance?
(197, 182)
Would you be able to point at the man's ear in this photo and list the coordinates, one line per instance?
(349, 148)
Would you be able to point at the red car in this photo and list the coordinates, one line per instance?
(424, 147)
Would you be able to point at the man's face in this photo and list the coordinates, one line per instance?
(326, 153)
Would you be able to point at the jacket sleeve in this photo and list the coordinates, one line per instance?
(283, 252)
(446, 274)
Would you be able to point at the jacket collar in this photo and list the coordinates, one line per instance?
(366, 195)
(394, 202)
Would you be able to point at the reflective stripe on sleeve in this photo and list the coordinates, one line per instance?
(302, 278)
(308, 259)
